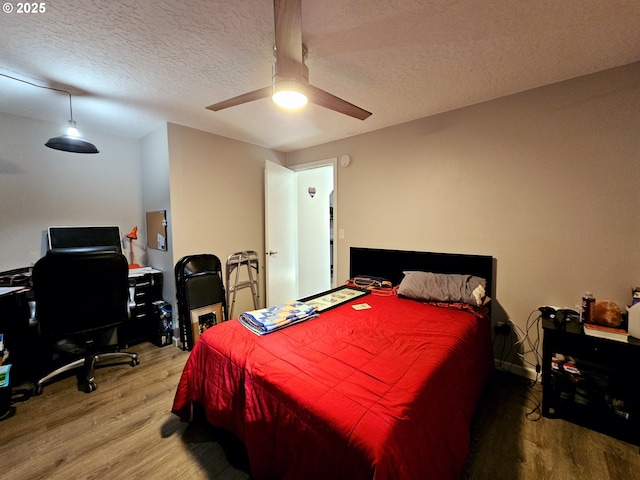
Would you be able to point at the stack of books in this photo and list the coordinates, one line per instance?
(611, 333)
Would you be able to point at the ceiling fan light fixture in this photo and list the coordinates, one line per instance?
(290, 88)
(290, 94)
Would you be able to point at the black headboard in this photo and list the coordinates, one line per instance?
(391, 263)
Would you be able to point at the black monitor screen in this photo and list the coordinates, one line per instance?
(74, 237)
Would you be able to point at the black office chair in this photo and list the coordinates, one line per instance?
(81, 297)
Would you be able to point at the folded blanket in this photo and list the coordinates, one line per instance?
(273, 318)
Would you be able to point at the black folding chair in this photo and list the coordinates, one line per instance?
(200, 295)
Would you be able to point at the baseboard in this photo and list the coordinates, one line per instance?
(527, 372)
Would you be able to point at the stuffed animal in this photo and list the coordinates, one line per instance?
(607, 313)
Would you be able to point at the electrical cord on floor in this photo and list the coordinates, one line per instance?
(523, 346)
(533, 321)
(526, 390)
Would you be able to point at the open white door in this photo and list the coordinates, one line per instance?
(281, 241)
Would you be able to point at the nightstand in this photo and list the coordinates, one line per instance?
(591, 381)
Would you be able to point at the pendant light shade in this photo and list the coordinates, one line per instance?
(67, 143)
(71, 141)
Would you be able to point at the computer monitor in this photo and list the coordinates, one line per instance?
(82, 237)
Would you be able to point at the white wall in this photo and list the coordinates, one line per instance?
(217, 198)
(545, 181)
(40, 187)
(313, 230)
(156, 197)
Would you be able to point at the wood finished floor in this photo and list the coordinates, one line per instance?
(124, 430)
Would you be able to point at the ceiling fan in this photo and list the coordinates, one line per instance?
(290, 74)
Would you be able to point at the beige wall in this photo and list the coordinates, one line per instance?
(545, 181)
(217, 197)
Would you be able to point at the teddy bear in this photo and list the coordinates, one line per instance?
(607, 313)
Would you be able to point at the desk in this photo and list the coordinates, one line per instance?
(21, 331)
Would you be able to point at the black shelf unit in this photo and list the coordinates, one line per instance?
(591, 381)
(145, 297)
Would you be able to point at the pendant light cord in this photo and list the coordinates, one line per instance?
(42, 86)
(71, 141)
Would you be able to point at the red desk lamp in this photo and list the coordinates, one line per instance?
(132, 235)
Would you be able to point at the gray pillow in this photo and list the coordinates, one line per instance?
(443, 287)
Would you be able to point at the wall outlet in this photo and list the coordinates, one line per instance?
(503, 328)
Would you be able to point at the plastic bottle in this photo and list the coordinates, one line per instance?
(588, 305)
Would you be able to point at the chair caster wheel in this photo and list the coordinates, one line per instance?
(88, 387)
(37, 390)
(135, 361)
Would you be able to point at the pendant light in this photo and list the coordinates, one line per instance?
(71, 141)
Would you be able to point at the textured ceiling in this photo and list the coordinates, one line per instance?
(132, 65)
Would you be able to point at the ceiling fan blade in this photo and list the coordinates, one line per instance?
(327, 100)
(288, 28)
(240, 99)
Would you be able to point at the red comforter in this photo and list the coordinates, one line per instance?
(383, 393)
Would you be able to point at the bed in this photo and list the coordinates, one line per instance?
(386, 392)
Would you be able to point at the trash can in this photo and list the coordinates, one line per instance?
(164, 323)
